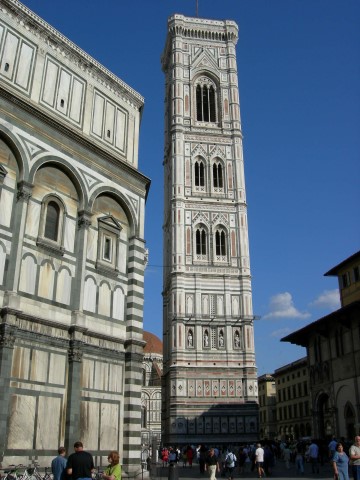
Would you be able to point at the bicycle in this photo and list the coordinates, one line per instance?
(32, 473)
(48, 475)
(11, 473)
(97, 474)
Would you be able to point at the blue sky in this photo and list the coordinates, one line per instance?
(299, 79)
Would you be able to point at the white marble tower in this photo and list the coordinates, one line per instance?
(209, 383)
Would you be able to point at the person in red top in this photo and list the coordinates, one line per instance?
(165, 456)
(189, 455)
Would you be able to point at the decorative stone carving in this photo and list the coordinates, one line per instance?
(24, 191)
(206, 338)
(75, 353)
(221, 339)
(7, 336)
(190, 339)
(84, 220)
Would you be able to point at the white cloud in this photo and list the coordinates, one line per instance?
(328, 299)
(282, 332)
(282, 306)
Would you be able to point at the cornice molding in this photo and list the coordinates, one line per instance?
(202, 30)
(57, 41)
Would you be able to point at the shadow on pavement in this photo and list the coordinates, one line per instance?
(279, 471)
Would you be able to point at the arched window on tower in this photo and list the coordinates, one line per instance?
(205, 100)
(199, 171)
(220, 245)
(218, 178)
(200, 241)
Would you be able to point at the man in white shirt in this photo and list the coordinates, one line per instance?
(259, 460)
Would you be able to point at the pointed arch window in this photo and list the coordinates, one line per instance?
(205, 100)
(52, 224)
(200, 241)
(199, 173)
(218, 177)
(220, 243)
(201, 244)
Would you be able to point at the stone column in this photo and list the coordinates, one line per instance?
(18, 231)
(132, 406)
(133, 357)
(77, 294)
(72, 425)
(7, 341)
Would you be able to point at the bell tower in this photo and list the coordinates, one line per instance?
(209, 377)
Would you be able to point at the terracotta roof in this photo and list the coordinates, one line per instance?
(153, 343)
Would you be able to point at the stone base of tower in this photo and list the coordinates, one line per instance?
(217, 424)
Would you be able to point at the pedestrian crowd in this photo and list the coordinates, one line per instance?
(80, 465)
(261, 458)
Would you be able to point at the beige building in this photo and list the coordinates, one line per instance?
(333, 356)
(293, 411)
(267, 407)
(72, 250)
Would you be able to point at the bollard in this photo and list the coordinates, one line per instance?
(173, 472)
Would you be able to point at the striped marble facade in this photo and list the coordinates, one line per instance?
(210, 380)
(72, 249)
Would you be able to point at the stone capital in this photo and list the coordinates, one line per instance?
(24, 191)
(84, 219)
(7, 335)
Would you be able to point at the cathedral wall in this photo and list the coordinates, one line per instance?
(71, 249)
(52, 73)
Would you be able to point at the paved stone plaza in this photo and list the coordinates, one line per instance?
(279, 472)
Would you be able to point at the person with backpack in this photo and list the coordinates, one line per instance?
(230, 460)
